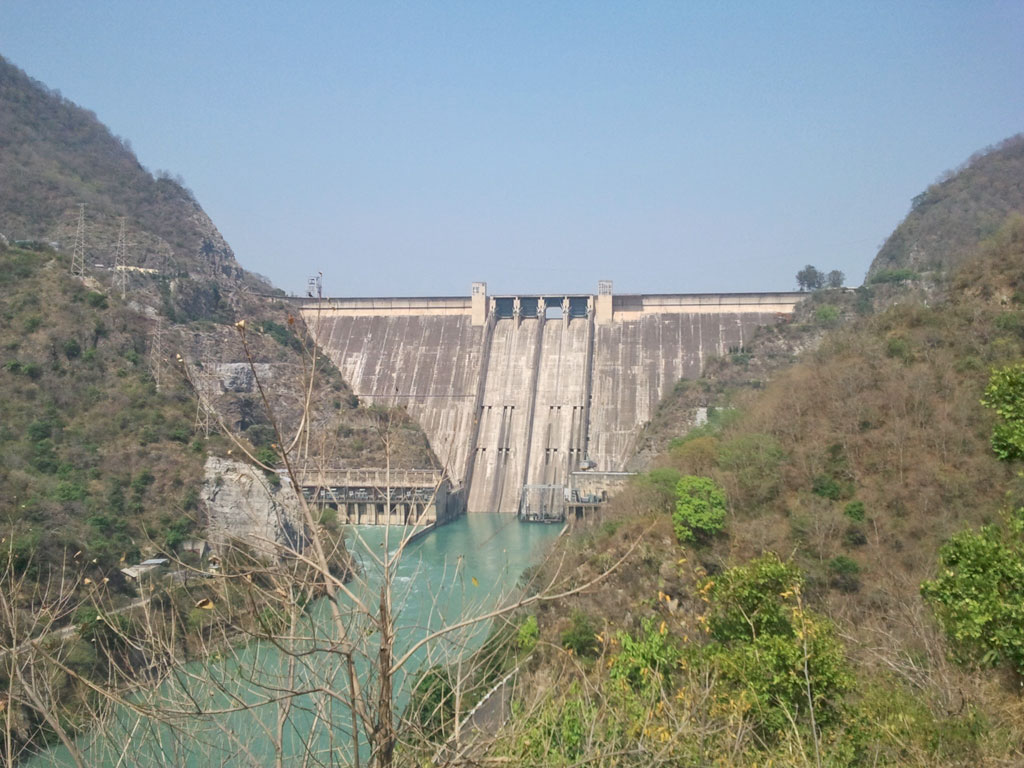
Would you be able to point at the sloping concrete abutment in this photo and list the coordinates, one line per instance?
(516, 392)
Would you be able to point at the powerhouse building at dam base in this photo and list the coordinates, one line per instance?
(520, 394)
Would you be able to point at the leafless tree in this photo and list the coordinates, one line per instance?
(297, 651)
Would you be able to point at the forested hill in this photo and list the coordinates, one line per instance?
(956, 212)
(828, 571)
(54, 156)
(100, 449)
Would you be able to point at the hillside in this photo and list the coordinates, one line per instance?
(56, 156)
(101, 443)
(938, 238)
(94, 457)
(956, 212)
(842, 478)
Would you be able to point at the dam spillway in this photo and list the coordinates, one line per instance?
(515, 392)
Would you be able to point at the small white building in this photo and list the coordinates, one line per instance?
(136, 572)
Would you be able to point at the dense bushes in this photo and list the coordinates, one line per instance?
(1005, 395)
(892, 276)
(581, 636)
(978, 597)
(700, 510)
(432, 703)
(281, 334)
(767, 647)
(768, 679)
(646, 661)
(754, 460)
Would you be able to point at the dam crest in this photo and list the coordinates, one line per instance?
(515, 393)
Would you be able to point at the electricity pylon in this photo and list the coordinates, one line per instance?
(157, 352)
(78, 254)
(202, 383)
(120, 262)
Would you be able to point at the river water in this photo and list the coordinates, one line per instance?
(462, 569)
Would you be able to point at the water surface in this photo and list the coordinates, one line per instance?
(463, 569)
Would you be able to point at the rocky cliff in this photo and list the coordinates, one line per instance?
(244, 507)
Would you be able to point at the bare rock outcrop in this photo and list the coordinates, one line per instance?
(241, 377)
(244, 506)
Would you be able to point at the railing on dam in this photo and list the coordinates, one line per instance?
(371, 478)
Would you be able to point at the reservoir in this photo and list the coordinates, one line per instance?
(257, 704)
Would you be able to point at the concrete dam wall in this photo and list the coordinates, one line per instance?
(516, 392)
(428, 363)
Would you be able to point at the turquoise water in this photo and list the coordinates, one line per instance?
(462, 569)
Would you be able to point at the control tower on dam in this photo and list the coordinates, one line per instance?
(516, 392)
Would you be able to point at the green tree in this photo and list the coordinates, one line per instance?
(978, 597)
(835, 279)
(700, 509)
(783, 658)
(810, 279)
(827, 315)
(753, 599)
(1005, 395)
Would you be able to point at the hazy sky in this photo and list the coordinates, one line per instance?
(409, 148)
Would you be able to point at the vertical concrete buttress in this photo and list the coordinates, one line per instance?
(603, 312)
(584, 439)
(478, 303)
(501, 442)
(478, 403)
(535, 369)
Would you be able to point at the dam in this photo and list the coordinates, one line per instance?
(516, 393)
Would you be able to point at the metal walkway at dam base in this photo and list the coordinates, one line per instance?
(379, 497)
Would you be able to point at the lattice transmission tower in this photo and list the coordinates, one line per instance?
(120, 261)
(204, 384)
(157, 352)
(78, 253)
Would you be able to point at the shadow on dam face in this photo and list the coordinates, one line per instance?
(516, 392)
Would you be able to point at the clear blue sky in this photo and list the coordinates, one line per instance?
(412, 147)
